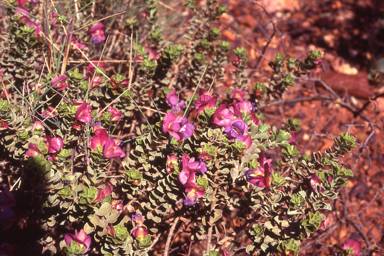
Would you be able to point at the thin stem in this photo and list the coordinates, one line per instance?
(209, 238)
(169, 238)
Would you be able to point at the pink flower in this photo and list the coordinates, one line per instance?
(237, 94)
(23, 12)
(49, 113)
(22, 2)
(91, 68)
(75, 43)
(245, 107)
(172, 163)
(59, 82)
(117, 205)
(353, 247)
(33, 150)
(205, 101)
(254, 119)
(99, 139)
(291, 141)
(97, 32)
(315, 181)
(247, 141)
(38, 126)
(80, 238)
(140, 232)
(188, 179)
(138, 219)
(115, 115)
(96, 81)
(55, 144)
(83, 113)
(102, 192)
(112, 150)
(223, 115)
(53, 20)
(123, 83)
(317, 62)
(173, 101)
(237, 129)
(238, 61)
(192, 194)
(37, 30)
(260, 176)
(152, 55)
(36, 87)
(177, 127)
(191, 166)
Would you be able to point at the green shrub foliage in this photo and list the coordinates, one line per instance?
(108, 160)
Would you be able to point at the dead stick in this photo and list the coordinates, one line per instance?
(169, 238)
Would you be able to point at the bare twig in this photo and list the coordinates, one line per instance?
(169, 238)
(209, 237)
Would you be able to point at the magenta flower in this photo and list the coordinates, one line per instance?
(33, 150)
(102, 192)
(247, 140)
(245, 107)
(117, 205)
(22, 2)
(99, 139)
(152, 55)
(53, 20)
(188, 179)
(291, 141)
(83, 113)
(36, 87)
(237, 94)
(254, 119)
(97, 32)
(223, 115)
(178, 127)
(138, 219)
(96, 81)
(140, 232)
(38, 126)
(76, 45)
(37, 30)
(315, 181)
(173, 101)
(236, 130)
(115, 115)
(49, 113)
(205, 156)
(353, 247)
(191, 166)
(260, 176)
(23, 12)
(111, 149)
(205, 101)
(317, 62)
(59, 82)
(172, 163)
(80, 238)
(91, 68)
(192, 194)
(55, 144)
(123, 83)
